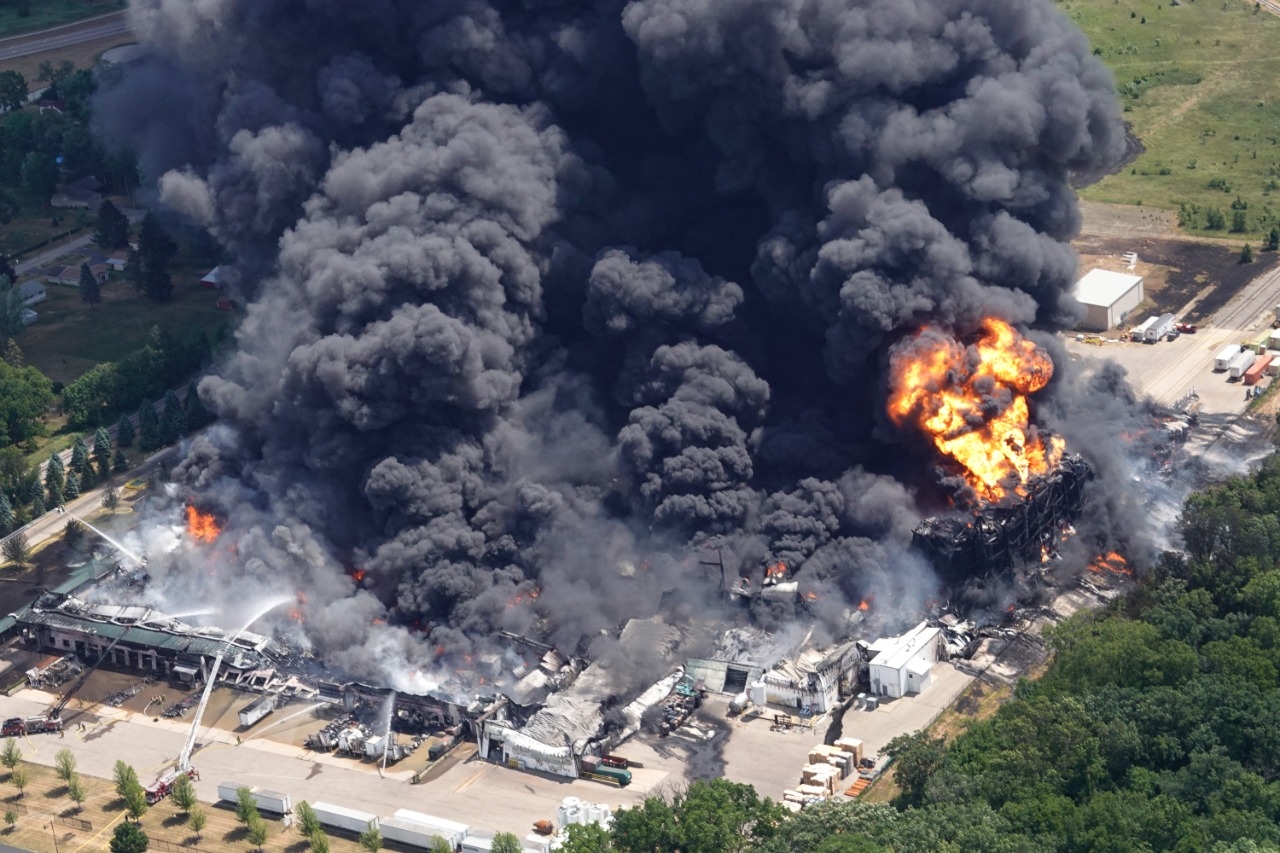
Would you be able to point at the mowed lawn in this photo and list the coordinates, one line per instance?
(71, 337)
(1199, 85)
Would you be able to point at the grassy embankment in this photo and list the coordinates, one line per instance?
(1197, 84)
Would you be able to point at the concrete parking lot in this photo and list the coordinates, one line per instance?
(1167, 370)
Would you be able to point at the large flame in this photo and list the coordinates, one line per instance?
(972, 402)
(202, 526)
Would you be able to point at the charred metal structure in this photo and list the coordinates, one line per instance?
(1001, 536)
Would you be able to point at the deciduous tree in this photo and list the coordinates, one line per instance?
(196, 819)
(129, 838)
(64, 764)
(20, 776)
(505, 842)
(17, 551)
(11, 755)
(258, 832)
(371, 839)
(13, 90)
(308, 821)
(76, 791)
(183, 793)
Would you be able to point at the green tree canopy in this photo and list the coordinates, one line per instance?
(113, 227)
(129, 838)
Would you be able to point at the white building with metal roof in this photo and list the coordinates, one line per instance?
(1107, 297)
(903, 664)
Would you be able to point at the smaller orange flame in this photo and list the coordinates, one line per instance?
(379, 621)
(777, 570)
(1044, 553)
(812, 596)
(864, 605)
(202, 526)
(1112, 562)
(358, 575)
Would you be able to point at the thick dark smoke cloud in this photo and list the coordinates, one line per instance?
(542, 294)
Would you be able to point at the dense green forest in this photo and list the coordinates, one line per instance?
(1157, 727)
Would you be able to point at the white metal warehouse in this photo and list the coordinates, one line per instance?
(1107, 297)
(904, 664)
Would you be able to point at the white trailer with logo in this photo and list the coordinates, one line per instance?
(450, 830)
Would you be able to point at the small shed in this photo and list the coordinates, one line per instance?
(1107, 297)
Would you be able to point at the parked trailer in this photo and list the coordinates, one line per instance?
(1241, 363)
(1139, 332)
(341, 817)
(1222, 360)
(1159, 329)
(257, 709)
(267, 801)
(411, 832)
(449, 830)
(478, 842)
(1255, 371)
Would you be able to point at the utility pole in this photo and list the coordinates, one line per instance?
(54, 832)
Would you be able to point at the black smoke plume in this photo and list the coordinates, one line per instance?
(545, 296)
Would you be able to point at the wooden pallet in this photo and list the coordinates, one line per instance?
(855, 790)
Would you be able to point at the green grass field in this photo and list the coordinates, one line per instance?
(50, 13)
(1198, 82)
(70, 337)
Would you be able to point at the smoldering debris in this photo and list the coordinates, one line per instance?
(542, 296)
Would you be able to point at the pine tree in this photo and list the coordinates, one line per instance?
(124, 431)
(173, 423)
(148, 427)
(37, 504)
(7, 519)
(102, 452)
(71, 490)
(198, 413)
(90, 292)
(119, 463)
(80, 458)
(55, 479)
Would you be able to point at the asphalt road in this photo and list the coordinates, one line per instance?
(67, 35)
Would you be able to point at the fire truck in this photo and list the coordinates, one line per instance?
(18, 726)
(162, 787)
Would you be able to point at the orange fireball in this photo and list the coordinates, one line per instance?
(971, 401)
(202, 526)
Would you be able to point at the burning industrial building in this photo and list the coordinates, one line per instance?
(548, 301)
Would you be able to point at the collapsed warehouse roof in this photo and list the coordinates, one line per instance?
(1001, 536)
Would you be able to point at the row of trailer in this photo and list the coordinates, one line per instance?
(406, 827)
(1245, 365)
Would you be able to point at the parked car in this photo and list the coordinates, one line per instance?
(1186, 328)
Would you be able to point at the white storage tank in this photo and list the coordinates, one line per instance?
(756, 692)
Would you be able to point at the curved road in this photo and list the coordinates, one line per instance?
(67, 35)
